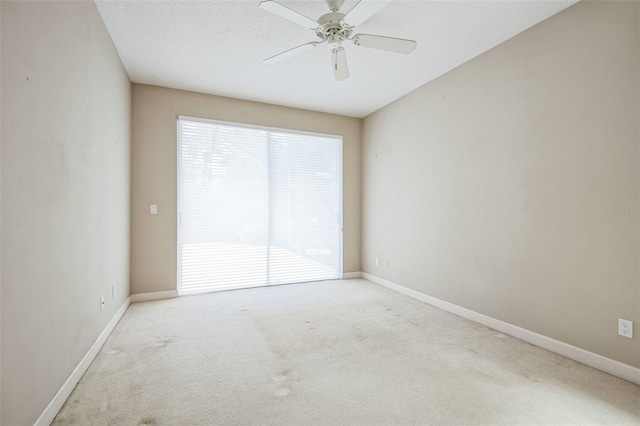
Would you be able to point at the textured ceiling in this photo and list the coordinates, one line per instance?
(217, 47)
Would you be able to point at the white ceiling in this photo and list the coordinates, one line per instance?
(217, 47)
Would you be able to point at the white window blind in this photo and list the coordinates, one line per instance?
(256, 206)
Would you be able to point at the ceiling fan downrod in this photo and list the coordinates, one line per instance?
(334, 5)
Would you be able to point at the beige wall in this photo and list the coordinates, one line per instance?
(488, 187)
(153, 238)
(65, 195)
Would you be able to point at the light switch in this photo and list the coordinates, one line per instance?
(153, 209)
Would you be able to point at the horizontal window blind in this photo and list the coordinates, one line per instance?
(305, 193)
(256, 206)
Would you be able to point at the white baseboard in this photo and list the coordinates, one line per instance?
(156, 295)
(351, 275)
(59, 399)
(608, 365)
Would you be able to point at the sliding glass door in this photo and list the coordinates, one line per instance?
(256, 206)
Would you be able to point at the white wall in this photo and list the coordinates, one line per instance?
(154, 163)
(65, 174)
(488, 187)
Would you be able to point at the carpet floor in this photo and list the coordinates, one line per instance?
(331, 353)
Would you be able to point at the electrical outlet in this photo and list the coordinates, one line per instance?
(153, 209)
(101, 303)
(625, 328)
(386, 263)
(377, 261)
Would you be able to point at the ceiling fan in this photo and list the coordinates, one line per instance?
(336, 27)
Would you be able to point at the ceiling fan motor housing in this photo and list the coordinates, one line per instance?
(331, 27)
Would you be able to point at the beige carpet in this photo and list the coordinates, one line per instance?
(331, 353)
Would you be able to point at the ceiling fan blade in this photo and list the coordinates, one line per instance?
(363, 11)
(398, 45)
(340, 67)
(286, 13)
(291, 52)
